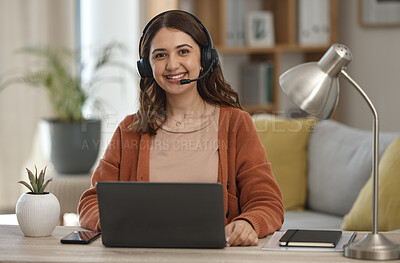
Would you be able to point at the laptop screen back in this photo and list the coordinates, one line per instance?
(143, 214)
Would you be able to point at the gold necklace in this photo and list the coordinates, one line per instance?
(179, 123)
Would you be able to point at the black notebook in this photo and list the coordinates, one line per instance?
(310, 238)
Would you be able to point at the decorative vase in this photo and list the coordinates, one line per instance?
(37, 214)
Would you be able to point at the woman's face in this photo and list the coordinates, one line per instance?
(174, 56)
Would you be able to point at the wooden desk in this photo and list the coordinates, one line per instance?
(15, 247)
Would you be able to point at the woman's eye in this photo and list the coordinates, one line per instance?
(183, 51)
(160, 55)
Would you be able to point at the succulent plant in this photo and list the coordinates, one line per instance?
(37, 185)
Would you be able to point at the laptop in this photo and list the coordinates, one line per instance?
(167, 215)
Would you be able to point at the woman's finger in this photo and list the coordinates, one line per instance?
(236, 232)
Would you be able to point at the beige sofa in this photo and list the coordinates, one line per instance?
(321, 167)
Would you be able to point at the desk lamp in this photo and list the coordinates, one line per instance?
(314, 87)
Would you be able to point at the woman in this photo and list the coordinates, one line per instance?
(184, 124)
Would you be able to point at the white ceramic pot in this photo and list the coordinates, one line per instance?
(37, 214)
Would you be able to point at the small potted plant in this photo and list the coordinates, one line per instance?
(37, 211)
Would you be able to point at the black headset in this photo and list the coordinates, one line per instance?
(209, 55)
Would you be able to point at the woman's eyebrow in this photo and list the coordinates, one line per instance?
(158, 49)
(184, 45)
(177, 47)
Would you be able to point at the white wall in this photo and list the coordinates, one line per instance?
(375, 67)
(102, 22)
(26, 23)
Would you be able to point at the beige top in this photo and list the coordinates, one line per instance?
(186, 153)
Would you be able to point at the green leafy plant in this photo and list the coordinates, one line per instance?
(37, 184)
(56, 71)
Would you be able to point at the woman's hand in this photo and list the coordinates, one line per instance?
(240, 233)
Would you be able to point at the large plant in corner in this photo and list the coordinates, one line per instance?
(37, 211)
(70, 141)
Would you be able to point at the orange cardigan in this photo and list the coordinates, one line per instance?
(250, 189)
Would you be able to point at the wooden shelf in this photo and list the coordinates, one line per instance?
(265, 50)
(213, 15)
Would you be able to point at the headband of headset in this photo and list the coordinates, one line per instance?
(209, 55)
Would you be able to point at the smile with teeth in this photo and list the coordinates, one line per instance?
(176, 76)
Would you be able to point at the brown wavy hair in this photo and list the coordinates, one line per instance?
(213, 88)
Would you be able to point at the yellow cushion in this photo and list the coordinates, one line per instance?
(360, 216)
(285, 142)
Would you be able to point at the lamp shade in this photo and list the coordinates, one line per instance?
(314, 86)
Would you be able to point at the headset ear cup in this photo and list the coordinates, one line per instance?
(205, 58)
(209, 56)
(144, 68)
(214, 57)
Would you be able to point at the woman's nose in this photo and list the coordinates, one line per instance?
(172, 63)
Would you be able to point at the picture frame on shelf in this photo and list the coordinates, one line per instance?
(379, 13)
(260, 28)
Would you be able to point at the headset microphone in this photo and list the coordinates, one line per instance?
(187, 81)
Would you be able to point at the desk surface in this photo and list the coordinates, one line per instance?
(14, 246)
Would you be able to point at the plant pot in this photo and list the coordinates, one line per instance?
(72, 147)
(37, 214)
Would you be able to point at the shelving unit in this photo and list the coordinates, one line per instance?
(213, 15)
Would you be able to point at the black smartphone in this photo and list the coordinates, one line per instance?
(80, 237)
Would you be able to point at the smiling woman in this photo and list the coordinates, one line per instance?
(176, 56)
(185, 122)
(212, 88)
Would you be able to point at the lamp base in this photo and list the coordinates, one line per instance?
(374, 247)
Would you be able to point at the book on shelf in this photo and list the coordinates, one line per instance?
(310, 238)
(257, 83)
(314, 22)
(235, 22)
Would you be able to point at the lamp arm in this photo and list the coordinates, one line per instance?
(375, 152)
